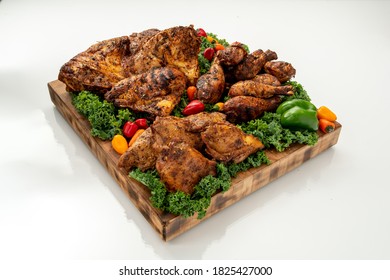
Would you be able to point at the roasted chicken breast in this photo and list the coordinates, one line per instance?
(98, 68)
(156, 91)
(177, 46)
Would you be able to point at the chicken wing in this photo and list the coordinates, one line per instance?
(256, 89)
(177, 46)
(283, 71)
(156, 92)
(140, 154)
(211, 85)
(245, 108)
(98, 68)
(231, 55)
(252, 64)
(181, 167)
(226, 142)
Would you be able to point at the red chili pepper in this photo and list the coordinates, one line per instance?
(208, 53)
(201, 32)
(142, 123)
(194, 107)
(129, 129)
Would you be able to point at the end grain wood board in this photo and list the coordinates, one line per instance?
(169, 226)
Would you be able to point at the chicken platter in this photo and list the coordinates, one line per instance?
(192, 102)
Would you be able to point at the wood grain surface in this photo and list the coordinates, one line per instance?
(169, 226)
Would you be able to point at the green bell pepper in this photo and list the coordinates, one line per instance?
(298, 114)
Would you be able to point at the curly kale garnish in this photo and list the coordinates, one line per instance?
(105, 119)
(180, 203)
(271, 133)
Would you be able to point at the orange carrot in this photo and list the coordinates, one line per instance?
(326, 126)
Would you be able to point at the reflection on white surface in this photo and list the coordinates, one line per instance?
(58, 202)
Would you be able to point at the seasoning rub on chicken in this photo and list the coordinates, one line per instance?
(156, 92)
(226, 142)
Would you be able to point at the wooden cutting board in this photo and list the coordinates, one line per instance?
(169, 226)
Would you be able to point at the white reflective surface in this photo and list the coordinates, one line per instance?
(58, 202)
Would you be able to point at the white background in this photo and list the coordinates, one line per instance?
(57, 202)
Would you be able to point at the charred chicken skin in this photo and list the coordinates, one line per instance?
(211, 85)
(156, 92)
(98, 68)
(226, 142)
(177, 46)
(245, 108)
(181, 167)
(283, 71)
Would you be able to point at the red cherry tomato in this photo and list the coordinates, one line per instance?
(201, 32)
(129, 129)
(142, 123)
(208, 53)
(194, 107)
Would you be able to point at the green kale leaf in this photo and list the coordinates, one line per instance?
(105, 119)
(271, 133)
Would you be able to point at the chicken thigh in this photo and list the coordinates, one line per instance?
(181, 167)
(226, 142)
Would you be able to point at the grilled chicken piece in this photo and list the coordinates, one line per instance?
(256, 89)
(245, 108)
(267, 79)
(226, 142)
(177, 46)
(283, 71)
(156, 92)
(232, 55)
(140, 154)
(136, 41)
(98, 68)
(211, 85)
(170, 128)
(252, 64)
(199, 122)
(181, 167)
